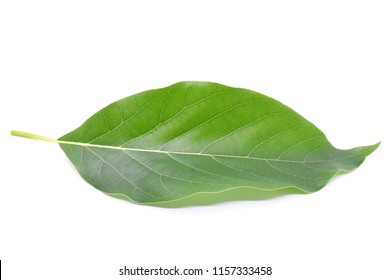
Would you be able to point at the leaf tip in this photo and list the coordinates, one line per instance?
(372, 148)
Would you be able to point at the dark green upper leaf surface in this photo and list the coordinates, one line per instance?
(192, 138)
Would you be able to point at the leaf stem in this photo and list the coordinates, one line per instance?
(32, 136)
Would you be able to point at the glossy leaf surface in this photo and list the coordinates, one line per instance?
(198, 143)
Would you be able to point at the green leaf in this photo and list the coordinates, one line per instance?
(196, 143)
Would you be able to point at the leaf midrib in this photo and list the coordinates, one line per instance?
(58, 141)
(196, 154)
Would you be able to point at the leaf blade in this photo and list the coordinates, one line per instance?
(171, 144)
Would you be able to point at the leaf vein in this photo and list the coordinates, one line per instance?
(120, 173)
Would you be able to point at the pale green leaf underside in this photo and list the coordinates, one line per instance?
(199, 143)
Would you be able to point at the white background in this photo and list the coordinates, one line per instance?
(61, 61)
